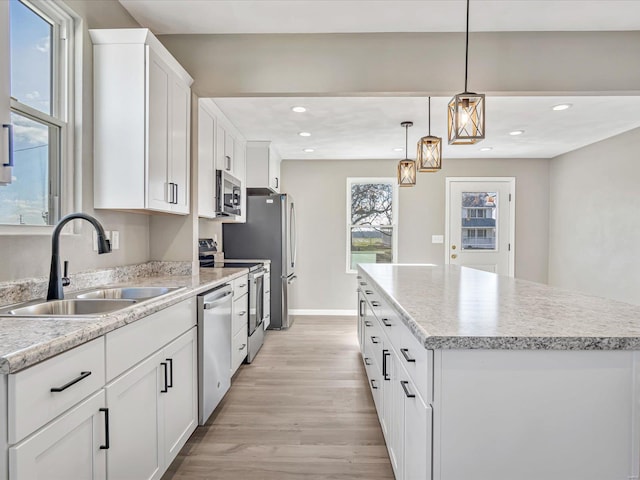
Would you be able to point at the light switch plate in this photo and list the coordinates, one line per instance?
(437, 238)
(115, 240)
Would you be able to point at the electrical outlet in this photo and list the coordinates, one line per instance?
(115, 240)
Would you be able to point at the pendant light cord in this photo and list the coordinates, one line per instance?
(429, 116)
(466, 54)
(406, 141)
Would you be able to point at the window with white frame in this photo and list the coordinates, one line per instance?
(40, 73)
(372, 205)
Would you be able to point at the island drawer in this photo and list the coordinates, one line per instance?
(417, 361)
(40, 393)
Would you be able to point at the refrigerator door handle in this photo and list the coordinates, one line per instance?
(291, 279)
(293, 237)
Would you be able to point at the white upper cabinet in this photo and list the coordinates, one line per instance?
(263, 167)
(142, 102)
(220, 147)
(5, 94)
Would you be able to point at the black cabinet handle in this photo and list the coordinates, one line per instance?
(368, 292)
(242, 313)
(375, 304)
(106, 429)
(367, 361)
(374, 340)
(175, 197)
(359, 277)
(361, 308)
(368, 324)
(170, 368)
(404, 384)
(363, 283)
(277, 183)
(373, 384)
(165, 389)
(405, 354)
(387, 322)
(385, 374)
(82, 376)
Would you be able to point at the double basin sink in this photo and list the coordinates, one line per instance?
(93, 302)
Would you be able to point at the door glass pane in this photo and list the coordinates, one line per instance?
(31, 55)
(479, 217)
(26, 200)
(371, 245)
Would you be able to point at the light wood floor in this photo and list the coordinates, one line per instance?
(301, 410)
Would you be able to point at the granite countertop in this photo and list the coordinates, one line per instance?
(449, 307)
(25, 341)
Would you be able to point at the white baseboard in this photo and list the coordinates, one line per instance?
(303, 311)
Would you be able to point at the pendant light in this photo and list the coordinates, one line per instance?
(406, 167)
(466, 109)
(429, 151)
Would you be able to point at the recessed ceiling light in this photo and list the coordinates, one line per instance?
(304, 134)
(299, 109)
(486, 149)
(516, 132)
(562, 106)
(308, 150)
(398, 149)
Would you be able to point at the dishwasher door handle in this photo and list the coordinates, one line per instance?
(217, 301)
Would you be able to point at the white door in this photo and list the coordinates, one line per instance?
(480, 224)
(67, 448)
(417, 428)
(180, 402)
(132, 399)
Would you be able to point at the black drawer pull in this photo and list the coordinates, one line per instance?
(165, 389)
(367, 361)
(373, 384)
(385, 374)
(375, 340)
(368, 324)
(106, 429)
(170, 362)
(375, 304)
(242, 313)
(405, 354)
(387, 322)
(368, 292)
(82, 376)
(359, 277)
(361, 308)
(404, 384)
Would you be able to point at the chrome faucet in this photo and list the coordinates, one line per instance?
(55, 280)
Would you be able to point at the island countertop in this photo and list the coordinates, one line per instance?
(450, 307)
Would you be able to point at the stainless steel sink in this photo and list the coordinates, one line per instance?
(71, 307)
(132, 293)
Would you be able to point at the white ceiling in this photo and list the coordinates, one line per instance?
(357, 16)
(369, 127)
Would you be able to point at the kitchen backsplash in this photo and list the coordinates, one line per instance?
(32, 288)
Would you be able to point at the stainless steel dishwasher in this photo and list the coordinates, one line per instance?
(214, 348)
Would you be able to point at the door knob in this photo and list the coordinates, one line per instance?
(453, 247)
(454, 256)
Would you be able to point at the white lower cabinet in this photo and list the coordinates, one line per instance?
(70, 447)
(153, 411)
(405, 418)
(132, 400)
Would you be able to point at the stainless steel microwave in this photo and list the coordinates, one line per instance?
(228, 194)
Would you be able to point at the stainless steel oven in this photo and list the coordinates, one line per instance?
(228, 194)
(256, 312)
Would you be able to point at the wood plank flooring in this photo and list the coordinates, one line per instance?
(301, 410)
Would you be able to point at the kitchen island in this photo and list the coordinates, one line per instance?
(481, 376)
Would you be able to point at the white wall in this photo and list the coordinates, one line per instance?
(319, 190)
(594, 229)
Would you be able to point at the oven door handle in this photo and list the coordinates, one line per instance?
(217, 301)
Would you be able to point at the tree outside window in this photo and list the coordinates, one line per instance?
(371, 223)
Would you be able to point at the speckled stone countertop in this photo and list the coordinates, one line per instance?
(448, 307)
(25, 341)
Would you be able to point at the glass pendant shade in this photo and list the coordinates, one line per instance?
(406, 173)
(466, 118)
(429, 154)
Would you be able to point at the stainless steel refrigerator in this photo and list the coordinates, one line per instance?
(269, 233)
